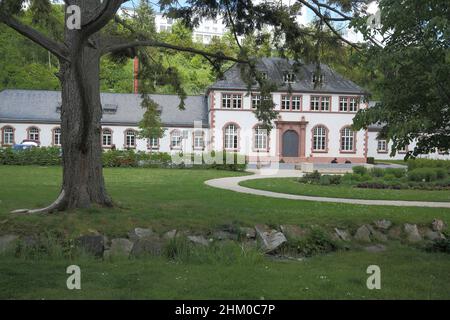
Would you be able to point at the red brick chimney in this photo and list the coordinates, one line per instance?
(136, 74)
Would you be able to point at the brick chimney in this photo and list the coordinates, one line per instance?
(135, 75)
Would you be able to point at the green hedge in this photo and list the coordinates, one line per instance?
(428, 163)
(128, 158)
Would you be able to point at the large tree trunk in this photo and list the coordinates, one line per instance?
(81, 113)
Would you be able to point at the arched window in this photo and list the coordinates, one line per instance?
(347, 140)
(107, 138)
(199, 142)
(130, 139)
(320, 138)
(33, 134)
(153, 143)
(260, 138)
(175, 139)
(57, 136)
(8, 136)
(231, 137)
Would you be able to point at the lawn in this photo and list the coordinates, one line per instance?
(292, 186)
(165, 199)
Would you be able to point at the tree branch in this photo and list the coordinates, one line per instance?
(119, 46)
(58, 49)
(101, 18)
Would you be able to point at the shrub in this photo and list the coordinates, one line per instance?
(440, 245)
(428, 163)
(50, 156)
(422, 174)
(377, 172)
(397, 172)
(361, 170)
(313, 177)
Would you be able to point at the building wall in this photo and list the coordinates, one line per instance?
(118, 136)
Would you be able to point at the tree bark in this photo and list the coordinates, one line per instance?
(81, 113)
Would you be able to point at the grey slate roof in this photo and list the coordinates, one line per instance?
(40, 106)
(275, 69)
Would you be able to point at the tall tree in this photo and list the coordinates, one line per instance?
(411, 67)
(92, 29)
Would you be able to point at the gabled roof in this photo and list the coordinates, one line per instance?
(275, 68)
(120, 108)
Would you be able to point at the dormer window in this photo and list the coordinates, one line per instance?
(289, 77)
(264, 75)
(318, 78)
(110, 108)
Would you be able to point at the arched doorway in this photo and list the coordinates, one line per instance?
(290, 144)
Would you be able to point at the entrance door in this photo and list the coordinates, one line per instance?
(290, 144)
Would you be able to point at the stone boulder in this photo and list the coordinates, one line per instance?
(342, 234)
(120, 247)
(249, 233)
(270, 240)
(395, 233)
(200, 240)
(225, 235)
(377, 235)
(362, 234)
(412, 233)
(294, 232)
(92, 244)
(375, 248)
(432, 235)
(170, 235)
(382, 224)
(438, 225)
(149, 245)
(139, 233)
(8, 242)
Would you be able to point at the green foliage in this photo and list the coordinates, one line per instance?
(396, 172)
(361, 170)
(313, 177)
(440, 245)
(377, 172)
(422, 174)
(428, 163)
(317, 242)
(327, 180)
(412, 68)
(35, 156)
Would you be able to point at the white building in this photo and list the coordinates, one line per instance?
(313, 123)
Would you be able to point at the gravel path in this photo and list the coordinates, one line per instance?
(232, 184)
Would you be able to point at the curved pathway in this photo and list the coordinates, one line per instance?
(232, 184)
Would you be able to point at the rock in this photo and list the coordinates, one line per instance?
(383, 224)
(120, 247)
(395, 233)
(139, 233)
(412, 233)
(376, 248)
(199, 240)
(432, 235)
(8, 242)
(378, 236)
(150, 245)
(294, 232)
(269, 240)
(225, 235)
(362, 234)
(343, 235)
(249, 233)
(93, 244)
(438, 225)
(169, 235)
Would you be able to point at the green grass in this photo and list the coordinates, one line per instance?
(292, 186)
(168, 199)
(406, 273)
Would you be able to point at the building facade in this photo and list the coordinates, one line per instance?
(313, 123)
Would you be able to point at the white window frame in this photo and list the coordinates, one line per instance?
(347, 140)
(33, 134)
(57, 136)
(8, 136)
(199, 141)
(107, 134)
(153, 143)
(176, 139)
(231, 137)
(382, 146)
(289, 77)
(320, 136)
(260, 138)
(130, 139)
(256, 101)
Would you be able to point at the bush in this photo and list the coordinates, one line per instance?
(313, 177)
(397, 172)
(361, 170)
(422, 174)
(440, 245)
(34, 156)
(428, 163)
(377, 172)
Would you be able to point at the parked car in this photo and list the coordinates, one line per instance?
(26, 144)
